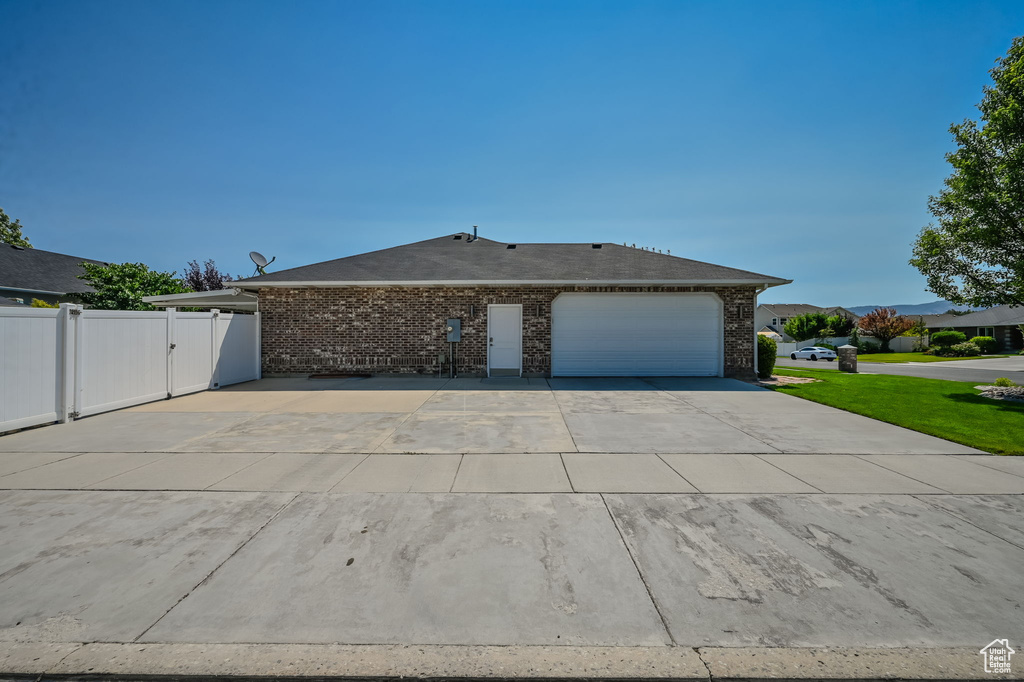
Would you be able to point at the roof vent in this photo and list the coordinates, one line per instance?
(458, 236)
(595, 246)
(510, 246)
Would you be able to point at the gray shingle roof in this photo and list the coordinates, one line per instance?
(39, 270)
(788, 310)
(1002, 315)
(456, 258)
(9, 303)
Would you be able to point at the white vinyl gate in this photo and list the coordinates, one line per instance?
(58, 364)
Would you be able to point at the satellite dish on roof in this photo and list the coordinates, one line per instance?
(261, 262)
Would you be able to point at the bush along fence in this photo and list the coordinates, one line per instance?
(60, 364)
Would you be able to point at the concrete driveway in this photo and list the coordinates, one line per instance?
(500, 435)
(623, 528)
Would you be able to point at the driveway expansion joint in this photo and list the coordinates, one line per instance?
(209, 575)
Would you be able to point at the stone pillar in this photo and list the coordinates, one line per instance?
(847, 358)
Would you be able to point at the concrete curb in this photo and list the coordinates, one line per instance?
(348, 662)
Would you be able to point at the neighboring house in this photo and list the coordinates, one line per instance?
(772, 317)
(519, 309)
(1001, 323)
(33, 273)
(10, 302)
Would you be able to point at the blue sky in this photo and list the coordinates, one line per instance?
(796, 139)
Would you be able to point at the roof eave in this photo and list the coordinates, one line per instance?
(511, 282)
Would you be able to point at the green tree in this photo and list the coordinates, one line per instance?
(837, 325)
(806, 326)
(121, 286)
(10, 233)
(975, 254)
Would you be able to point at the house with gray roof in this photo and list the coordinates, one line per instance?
(27, 273)
(1003, 323)
(476, 306)
(772, 317)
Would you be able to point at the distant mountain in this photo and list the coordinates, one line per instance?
(936, 308)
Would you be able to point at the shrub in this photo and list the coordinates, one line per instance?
(766, 350)
(1003, 382)
(986, 343)
(826, 345)
(963, 350)
(867, 348)
(948, 338)
(36, 303)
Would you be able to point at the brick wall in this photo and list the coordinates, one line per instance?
(383, 330)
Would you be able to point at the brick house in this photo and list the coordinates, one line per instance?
(1003, 323)
(516, 309)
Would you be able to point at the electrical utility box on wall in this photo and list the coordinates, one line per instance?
(454, 330)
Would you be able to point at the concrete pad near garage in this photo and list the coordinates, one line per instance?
(223, 401)
(999, 515)
(718, 473)
(506, 402)
(847, 474)
(764, 402)
(294, 432)
(441, 433)
(1009, 464)
(186, 471)
(292, 472)
(653, 432)
(121, 431)
(840, 433)
(80, 471)
(819, 570)
(342, 401)
(384, 383)
(950, 473)
(623, 402)
(497, 384)
(13, 462)
(636, 473)
(526, 473)
(113, 563)
(702, 385)
(600, 384)
(431, 569)
(402, 474)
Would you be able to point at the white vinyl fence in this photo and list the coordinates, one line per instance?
(901, 344)
(58, 364)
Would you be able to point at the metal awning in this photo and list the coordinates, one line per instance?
(224, 299)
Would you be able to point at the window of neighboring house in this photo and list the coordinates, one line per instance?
(775, 322)
(987, 331)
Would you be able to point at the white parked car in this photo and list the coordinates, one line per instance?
(814, 353)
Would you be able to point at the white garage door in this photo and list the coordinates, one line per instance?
(636, 335)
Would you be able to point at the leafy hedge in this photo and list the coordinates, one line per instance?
(948, 338)
(766, 350)
(986, 343)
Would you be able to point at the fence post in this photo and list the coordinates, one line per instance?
(170, 351)
(214, 348)
(259, 345)
(68, 319)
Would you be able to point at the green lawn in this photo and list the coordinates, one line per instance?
(917, 357)
(948, 409)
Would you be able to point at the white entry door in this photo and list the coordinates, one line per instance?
(504, 340)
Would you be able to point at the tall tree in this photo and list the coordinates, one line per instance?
(806, 326)
(121, 286)
(975, 254)
(885, 325)
(207, 278)
(10, 232)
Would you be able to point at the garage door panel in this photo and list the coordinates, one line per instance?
(636, 335)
